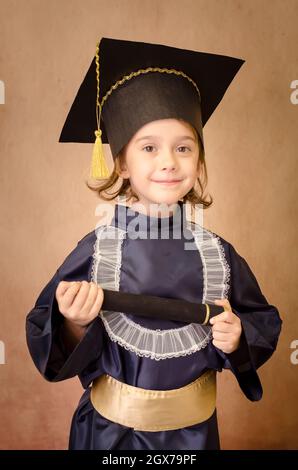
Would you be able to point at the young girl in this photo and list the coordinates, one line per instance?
(151, 383)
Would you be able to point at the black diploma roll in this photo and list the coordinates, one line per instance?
(161, 308)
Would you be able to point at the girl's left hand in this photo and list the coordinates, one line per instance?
(226, 328)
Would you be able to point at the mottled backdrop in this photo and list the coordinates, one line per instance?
(251, 151)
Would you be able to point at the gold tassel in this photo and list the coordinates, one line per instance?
(99, 169)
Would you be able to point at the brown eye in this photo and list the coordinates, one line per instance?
(148, 148)
(183, 149)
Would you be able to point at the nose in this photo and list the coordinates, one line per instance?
(167, 161)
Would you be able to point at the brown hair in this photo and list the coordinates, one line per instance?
(106, 192)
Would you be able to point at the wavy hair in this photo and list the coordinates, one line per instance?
(106, 188)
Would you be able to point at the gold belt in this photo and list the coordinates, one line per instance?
(155, 410)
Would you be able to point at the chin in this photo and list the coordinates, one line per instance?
(169, 199)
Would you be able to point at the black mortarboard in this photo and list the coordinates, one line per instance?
(130, 84)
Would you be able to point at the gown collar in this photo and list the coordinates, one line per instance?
(127, 219)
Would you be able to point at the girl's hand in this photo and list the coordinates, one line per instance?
(226, 328)
(79, 302)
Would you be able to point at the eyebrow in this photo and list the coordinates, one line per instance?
(148, 137)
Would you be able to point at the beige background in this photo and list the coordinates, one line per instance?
(251, 148)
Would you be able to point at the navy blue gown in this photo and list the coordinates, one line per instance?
(195, 265)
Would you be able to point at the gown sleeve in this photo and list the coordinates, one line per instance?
(261, 326)
(44, 321)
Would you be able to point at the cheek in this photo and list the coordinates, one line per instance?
(191, 168)
(144, 166)
(140, 170)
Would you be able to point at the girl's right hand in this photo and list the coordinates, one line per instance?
(80, 301)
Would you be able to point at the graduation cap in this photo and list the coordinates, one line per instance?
(130, 84)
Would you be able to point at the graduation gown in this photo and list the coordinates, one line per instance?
(198, 266)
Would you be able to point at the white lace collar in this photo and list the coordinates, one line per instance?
(145, 342)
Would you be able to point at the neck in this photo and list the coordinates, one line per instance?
(131, 219)
(155, 210)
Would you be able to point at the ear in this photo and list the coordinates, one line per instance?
(199, 169)
(123, 172)
(122, 169)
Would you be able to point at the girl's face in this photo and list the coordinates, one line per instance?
(162, 162)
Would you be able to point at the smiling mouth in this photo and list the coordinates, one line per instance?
(167, 182)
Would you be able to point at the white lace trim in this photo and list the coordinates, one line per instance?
(216, 271)
(145, 342)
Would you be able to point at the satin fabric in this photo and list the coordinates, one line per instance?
(155, 410)
(155, 267)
